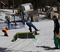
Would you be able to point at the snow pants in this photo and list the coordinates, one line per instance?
(5, 34)
(56, 41)
(31, 25)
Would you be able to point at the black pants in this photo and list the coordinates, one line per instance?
(30, 29)
(5, 34)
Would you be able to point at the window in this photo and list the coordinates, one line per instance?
(23, 8)
(31, 7)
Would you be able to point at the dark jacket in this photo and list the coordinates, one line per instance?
(54, 17)
(56, 26)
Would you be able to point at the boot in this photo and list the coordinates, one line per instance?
(56, 48)
(30, 29)
(5, 35)
(36, 30)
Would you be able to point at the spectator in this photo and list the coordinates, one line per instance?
(8, 22)
(56, 32)
(5, 31)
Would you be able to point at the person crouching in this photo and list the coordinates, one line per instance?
(5, 31)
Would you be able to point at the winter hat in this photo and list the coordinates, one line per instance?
(53, 14)
(16, 11)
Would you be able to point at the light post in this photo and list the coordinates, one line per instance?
(13, 6)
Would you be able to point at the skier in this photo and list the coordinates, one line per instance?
(5, 31)
(56, 32)
(28, 22)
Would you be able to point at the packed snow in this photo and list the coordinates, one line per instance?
(44, 42)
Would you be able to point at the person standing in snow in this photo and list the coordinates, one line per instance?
(29, 24)
(56, 32)
(5, 31)
(8, 22)
(21, 13)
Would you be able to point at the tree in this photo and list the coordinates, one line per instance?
(58, 0)
(36, 3)
(0, 3)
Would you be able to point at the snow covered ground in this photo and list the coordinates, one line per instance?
(44, 42)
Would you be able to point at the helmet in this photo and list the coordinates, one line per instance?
(16, 11)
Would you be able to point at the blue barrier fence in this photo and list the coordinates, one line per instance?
(42, 18)
(3, 25)
(11, 25)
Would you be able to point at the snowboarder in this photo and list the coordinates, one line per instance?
(56, 32)
(28, 22)
(5, 31)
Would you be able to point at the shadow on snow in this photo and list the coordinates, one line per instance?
(45, 47)
(4, 50)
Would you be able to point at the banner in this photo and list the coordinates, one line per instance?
(3, 25)
(11, 25)
(16, 26)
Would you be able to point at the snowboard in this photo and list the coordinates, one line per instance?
(36, 33)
